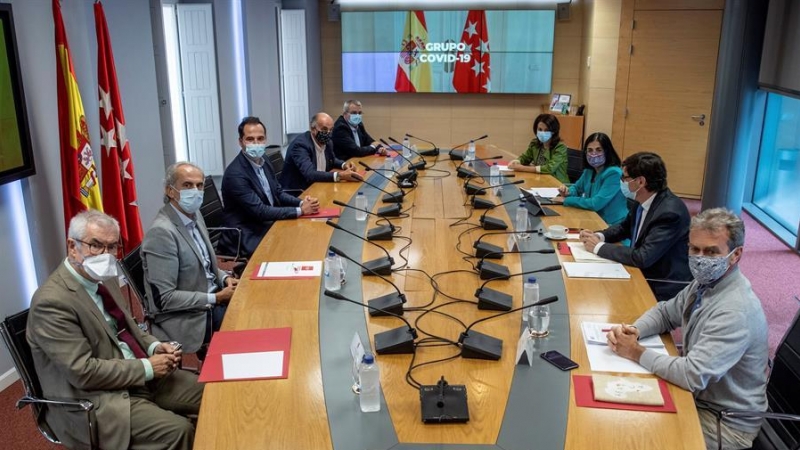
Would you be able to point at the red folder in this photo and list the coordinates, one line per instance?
(245, 341)
(563, 249)
(323, 213)
(584, 396)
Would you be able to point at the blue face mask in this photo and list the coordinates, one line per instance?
(708, 269)
(191, 200)
(544, 136)
(355, 119)
(596, 161)
(255, 151)
(626, 191)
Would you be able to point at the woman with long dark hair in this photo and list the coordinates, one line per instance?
(546, 153)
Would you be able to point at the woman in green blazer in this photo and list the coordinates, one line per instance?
(598, 187)
(546, 153)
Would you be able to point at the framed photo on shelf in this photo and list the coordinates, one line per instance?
(560, 102)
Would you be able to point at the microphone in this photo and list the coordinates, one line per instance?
(419, 165)
(392, 342)
(386, 305)
(390, 197)
(482, 346)
(493, 223)
(478, 203)
(489, 270)
(403, 183)
(433, 152)
(471, 189)
(460, 155)
(462, 172)
(411, 173)
(379, 233)
(500, 301)
(382, 266)
(484, 248)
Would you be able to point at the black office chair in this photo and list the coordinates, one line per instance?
(275, 159)
(574, 164)
(781, 426)
(13, 331)
(133, 271)
(212, 212)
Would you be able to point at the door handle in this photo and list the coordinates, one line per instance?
(700, 118)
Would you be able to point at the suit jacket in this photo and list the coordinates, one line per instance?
(76, 355)
(344, 144)
(662, 250)
(300, 168)
(175, 278)
(247, 206)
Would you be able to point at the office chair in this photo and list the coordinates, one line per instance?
(781, 426)
(13, 331)
(212, 212)
(133, 271)
(275, 159)
(574, 164)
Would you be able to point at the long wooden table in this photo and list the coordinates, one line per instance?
(292, 414)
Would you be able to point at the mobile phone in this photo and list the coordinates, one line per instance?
(557, 359)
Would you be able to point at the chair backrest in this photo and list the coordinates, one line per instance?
(783, 389)
(133, 270)
(211, 209)
(574, 164)
(275, 159)
(13, 331)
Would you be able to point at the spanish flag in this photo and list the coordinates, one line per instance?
(412, 74)
(79, 184)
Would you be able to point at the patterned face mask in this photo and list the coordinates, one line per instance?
(708, 269)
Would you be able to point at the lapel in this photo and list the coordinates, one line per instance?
(85, 302)
(650, 213)
(176, 221)
(247, 169)
(201, 225)
(272, 180)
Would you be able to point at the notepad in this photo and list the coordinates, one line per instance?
(580, 254)
(287, 270)
(628, 390)
(546, 192)
(595, 270)
(595, 334)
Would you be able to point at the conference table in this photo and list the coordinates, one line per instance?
(511, 406)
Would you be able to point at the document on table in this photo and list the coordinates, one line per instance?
(602, 359)
(595, 334)
(247, 366)
(546, 192)
(596, 270)
(580, 254)
(287, 270)
(504, 168)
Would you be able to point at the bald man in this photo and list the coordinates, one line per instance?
(310, 158)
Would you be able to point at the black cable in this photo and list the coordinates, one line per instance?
(458, 243)
(411, 367)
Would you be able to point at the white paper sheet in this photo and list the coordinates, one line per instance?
(290, 269)
(580, 254)
(594, 334)
(239, 366)
(573, 236)
(504, 168)
(595, 270)
(546, 192)
(602, 359)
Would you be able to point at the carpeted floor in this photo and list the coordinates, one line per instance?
(771, 267)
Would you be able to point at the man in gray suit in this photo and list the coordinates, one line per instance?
(86, 346)
(180, 267)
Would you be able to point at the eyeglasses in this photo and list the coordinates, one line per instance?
(626, 178)
(96, 248)
(595, 151)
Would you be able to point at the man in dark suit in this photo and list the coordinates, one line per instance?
(180, 266)
(350, 137)
(86, 346)
(657, 225)
(252, 196)
(310, 158)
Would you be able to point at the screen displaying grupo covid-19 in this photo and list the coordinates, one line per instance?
(472, 51)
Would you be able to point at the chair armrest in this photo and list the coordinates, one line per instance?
(238, 241)
(162, 315)
(763, 415)
(84, 405)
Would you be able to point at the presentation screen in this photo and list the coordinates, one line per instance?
(448, 51)
(16, 156)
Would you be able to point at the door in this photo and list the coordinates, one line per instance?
(670, 87)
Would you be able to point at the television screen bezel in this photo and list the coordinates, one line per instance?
(28, 167)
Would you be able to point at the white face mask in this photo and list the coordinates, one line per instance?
(100, 267)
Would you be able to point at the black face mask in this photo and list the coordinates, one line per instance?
(323, 137)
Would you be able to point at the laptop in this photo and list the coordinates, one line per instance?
(534, 205)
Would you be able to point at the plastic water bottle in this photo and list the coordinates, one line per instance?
(361, 203)
(406, 147)
(333, 272)
(530, 295)
(370, 380)
(470, 156)
(521, 223)
(494, 175)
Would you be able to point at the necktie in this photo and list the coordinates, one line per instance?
(635, 235)
(123, 333)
